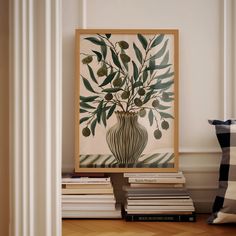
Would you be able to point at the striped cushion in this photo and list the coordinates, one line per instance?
(224, 208)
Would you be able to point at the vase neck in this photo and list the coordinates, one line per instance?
(123, 117)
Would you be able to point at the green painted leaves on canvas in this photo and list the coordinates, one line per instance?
(160, 52)
(129, 76)
(150, 117)
(166, 115)
(88, 85)
(95, 41)
(115, 59)
(92, 76)
(157, 40)
(143, 41)
(138, 53)
(108, 79)
(135, 71)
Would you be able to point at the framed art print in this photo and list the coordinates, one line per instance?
(126, 100)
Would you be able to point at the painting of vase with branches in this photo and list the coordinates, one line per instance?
(126, 110)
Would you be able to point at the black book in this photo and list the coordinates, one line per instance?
(161, 217)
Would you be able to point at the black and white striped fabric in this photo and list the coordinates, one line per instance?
(155, 160)
(224, 208)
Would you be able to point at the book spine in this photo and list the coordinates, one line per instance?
(157, 180)
(163, 218)
(152, 175)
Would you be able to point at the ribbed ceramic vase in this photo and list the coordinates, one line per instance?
(127, 138)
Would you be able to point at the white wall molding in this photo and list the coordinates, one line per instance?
(35, 100)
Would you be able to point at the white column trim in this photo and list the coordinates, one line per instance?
(84, 14)
(35, 132)
(228, 64)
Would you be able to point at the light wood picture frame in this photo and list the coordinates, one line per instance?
(126, 100)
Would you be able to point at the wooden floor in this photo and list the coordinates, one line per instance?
(123, 228)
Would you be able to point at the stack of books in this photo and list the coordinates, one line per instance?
(157, 197)
(88, 197)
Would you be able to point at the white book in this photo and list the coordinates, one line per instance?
(86, 180)
(161, 208)
(89, 206)
(174, 202)
(116, 214)
(153, 175)
(158, 197)
(88, 197)
(156, 185)
(180, 180)
(162, 212)
(87, 191)
(89, 201)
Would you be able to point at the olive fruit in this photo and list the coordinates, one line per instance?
(155, 103)
(108, 96)
(165, 95)
(117, 82)
(87, 60)
(123, 44)
(157, 134)
(138, 102)
(165, 125)
(102, 71)
(86, 132)
(141, 91)
(125, 95)
(125, 58)
(142, 112)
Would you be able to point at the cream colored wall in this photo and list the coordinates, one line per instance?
(4, 118)
(201, 59)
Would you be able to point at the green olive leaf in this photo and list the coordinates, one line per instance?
(165, 86)
(143, 41)
(138, 53)
(88, 99)
(82, 111)
(95, 41)
(137, 84)
(166, 115)
(168, 99)
(104, 118)
(92, 74)
(104, 49)
(161, 107)
(148, 96)
(88, 85)
(150, 117)
(93, 126)
(99, 111)
(135, 71)
(115, 59)
(145, 76)
(157, 40)
(85, 105)
(83, 119)
(111, 90)
(98, 54)
(165, 59)
(165, 76)
(110, 112)
(108, 79)
(160, 52)
(153, 67)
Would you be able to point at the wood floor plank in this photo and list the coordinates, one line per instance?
(83, 227)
